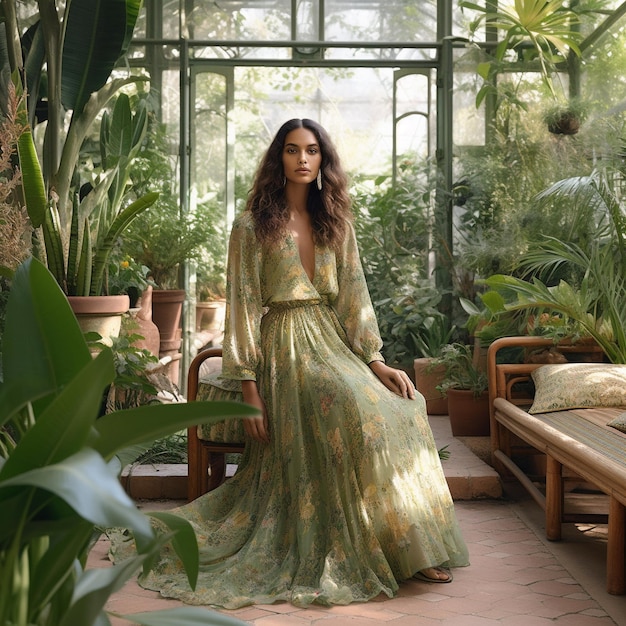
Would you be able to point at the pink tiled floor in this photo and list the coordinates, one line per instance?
(516, 577)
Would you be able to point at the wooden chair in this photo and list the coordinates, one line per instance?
(206, 460)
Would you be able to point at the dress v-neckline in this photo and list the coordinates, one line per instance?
(297, 247)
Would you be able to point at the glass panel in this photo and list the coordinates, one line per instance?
(170, 107)
(238, 20)
(241, 52)
(400, 54)
(170, 19)
(353, 105)
(140, 26)
(461, 19)
(380, 20)
(209, 136)
(413, 130)
(307, 20)
(469, 122)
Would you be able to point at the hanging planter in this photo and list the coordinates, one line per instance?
(567, 123)
(565, 118)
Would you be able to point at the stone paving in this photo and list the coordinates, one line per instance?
(516, 576)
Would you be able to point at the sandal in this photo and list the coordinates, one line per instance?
(427, 579)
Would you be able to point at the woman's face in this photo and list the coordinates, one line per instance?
(302, 157)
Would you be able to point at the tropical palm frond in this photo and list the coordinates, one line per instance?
(582, 276)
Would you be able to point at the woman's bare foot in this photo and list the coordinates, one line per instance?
(434, 575)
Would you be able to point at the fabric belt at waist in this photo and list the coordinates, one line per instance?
(276, 307)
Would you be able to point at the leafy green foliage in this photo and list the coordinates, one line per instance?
(59, 468)
(393, 225)
(102, 215)
(125, 276)
(163, 238)
(583, 280)
(499, 216)
(548, 27)
(78, 232)
(133, 385)
(411, 324)
(461, 369)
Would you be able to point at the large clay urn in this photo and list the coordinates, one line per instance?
(167, 309)
(145, 326)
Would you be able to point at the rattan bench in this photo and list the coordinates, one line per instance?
(577, 441)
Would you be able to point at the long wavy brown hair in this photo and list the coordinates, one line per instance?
(330, 208)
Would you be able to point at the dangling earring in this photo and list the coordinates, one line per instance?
(284, 180)
(319, 179)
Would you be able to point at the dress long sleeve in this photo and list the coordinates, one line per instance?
(353, 304)
(241, 347)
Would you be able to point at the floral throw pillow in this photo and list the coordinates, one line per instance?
(578, 386)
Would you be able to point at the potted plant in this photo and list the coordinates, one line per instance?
(60, 464)
(211, 294)
(565, 118)
(465, 384)
(125, 276)
(77, 220)
(435, 333)
(164, 241)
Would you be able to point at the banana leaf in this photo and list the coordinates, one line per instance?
(95, 39)
(59, 477)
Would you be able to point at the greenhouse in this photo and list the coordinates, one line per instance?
(484, 146)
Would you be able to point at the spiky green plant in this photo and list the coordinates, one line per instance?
(75, 45)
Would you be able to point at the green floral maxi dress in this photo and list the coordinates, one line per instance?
(349, 498)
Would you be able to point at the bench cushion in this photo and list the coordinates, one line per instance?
(578, 385)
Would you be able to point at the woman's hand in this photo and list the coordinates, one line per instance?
(396, 380)
(256, 427)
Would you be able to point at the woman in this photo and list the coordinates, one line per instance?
(340, 493)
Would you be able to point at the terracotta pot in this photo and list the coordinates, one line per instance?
(100, 314)
(469, 415)
(169, 345)
(426, 381)
(210, 315)
(167, 309)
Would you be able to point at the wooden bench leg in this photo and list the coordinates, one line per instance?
(197, 463)
(616, 549)
(194, 464)
(554, 498)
